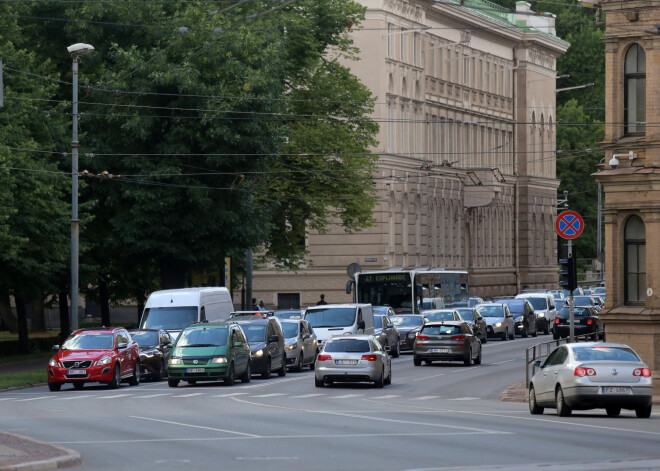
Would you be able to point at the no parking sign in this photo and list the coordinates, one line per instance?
(569, 225)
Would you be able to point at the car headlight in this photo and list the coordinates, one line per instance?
(219, 360)
(175, 361)
(541, 314)
(498, 324)
(411, 335)
(148, 353)
(104, 361)
(518, 319)
(259, 353)
(293, 346)
(53, 362)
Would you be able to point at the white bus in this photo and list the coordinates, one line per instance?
(409, 291)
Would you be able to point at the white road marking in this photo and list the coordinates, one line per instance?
(306, 395)
(463, 399)
(116, 396)
(71, 398)
(149, 396)
(428, 377)
(196, 426)
(230, 395)
(424, 398)
(500, 362)
(7, 398)
(270, 395)
(266, 458)
(33, 398)
(346, 396)
(189, 395)
(389, 396)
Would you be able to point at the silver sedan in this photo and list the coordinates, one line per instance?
(448, 341)
(355, 358)
(591, 375)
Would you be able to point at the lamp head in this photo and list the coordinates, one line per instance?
(614, 162)
(80, 49)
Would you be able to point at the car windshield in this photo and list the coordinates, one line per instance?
(516, 306)
(288, 314)
(347, 345)
(577, 312)
(539, 304)
(290, 329)
(466, 314)
(407, 321)
(582, 301)
(490, 311)
(255, 333)
(439, 316)
(331, 317)
(204, 337)
(145, 339)
(605, 354)
(441, 330)
(168, 318)
(89, 341)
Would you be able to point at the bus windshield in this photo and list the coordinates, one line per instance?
(386, 289)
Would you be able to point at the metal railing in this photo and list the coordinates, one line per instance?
(542, 350)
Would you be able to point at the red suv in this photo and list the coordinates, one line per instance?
(104, 355)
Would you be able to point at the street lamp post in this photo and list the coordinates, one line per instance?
(76, 50)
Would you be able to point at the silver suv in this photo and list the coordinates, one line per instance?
(544, 306)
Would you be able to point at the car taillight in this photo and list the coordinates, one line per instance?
(580, 371)
(590, 321)
(324, 357)
(422, 337)
(369, 357)
(458, 337)
(557, 320)
(646, 372)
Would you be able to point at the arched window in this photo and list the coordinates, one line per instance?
(634, 114)
(634, 261)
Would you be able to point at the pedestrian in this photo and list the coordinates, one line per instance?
(255, 306)
(321, 301)
(262, 305)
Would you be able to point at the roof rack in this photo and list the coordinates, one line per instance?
(262, 314)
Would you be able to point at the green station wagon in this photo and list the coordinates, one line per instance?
(210, 351)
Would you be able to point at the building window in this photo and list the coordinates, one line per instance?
(404, 45)
(634, 114)
(634, 261)
(390, 41)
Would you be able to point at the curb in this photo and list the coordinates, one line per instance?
(21, 447)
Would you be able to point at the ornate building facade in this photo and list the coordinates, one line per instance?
(466, 176)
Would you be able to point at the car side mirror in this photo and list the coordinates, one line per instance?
(122, 345)
(273, 339)
(387, 348)
(537, 363)
(479, 319)
(55, 347)
(306, 336)
(170, 345)
(238, 344)
(390, 325)
(361, 325)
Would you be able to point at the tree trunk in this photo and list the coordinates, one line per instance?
(104, 300)
(7, 315)
(65, 326)
(23, 342)
(38, 315)
(172, 276)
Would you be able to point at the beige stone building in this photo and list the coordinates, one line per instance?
(466, 177)
(631, 177)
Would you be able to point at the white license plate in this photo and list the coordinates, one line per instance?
(76, 372)
(346, 362)
(439, 350)
(616, 390)
(195, 370)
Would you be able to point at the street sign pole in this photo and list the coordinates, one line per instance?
(571, 316)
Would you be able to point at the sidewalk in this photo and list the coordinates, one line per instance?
(22, 453)
(518, 393)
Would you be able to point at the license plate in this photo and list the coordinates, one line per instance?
(346, 362)
(615, 390)
(195, 370)
(439, 350)
(76, 372)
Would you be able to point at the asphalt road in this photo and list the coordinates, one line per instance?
(435, 417)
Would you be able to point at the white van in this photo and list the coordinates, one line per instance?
(329, 320)
(173, 309)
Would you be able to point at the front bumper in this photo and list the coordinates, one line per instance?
(495, 331)
(406, 343)
(101, 374)
(193, 373)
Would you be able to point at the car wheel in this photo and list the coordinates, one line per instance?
(644, 412)
(172, 383)
(536, 331)
(613, 411)
(388, 380)
(301, 360)
(555, 335)
(282, 370)
(546, 330)
(116, 378)
(266, 373)
(468, 360)
(534, 408)
(524, 332)
(396, 352)
(78, 385)
(135, 379)
(54, 386)
(417, 361)
(477, 361)
(380, 383)
(161, 371)
(484, 337)
(230, 379)
(562, 409)
(318, 383)
(246, 376)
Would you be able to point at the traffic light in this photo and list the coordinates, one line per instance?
(568, 273)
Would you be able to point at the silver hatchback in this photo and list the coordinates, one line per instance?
(354, 358)
(448, 341)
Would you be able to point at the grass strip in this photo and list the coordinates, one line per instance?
(27, 378)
